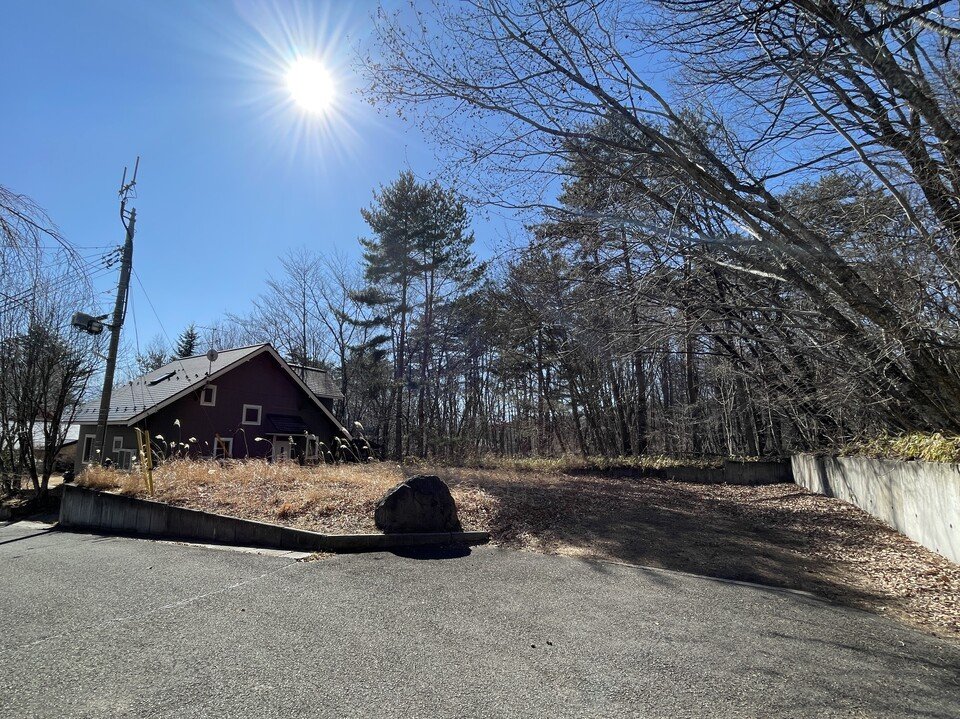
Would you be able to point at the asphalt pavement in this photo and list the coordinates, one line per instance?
(108, 627)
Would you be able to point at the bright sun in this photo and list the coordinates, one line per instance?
(310, 85)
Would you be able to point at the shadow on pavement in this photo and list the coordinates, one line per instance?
(450, 552)
(26, 536)
(773, 535)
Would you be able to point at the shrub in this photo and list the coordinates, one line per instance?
(924, 446)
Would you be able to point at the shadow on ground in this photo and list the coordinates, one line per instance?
(435, 553)
(777, 535)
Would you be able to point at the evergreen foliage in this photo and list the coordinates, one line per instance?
(187, 342)
(418, 258)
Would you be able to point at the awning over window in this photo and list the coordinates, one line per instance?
(287, 423)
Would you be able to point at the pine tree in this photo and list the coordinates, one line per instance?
(397, 218)
(420, 250)
(187, 342)
(448, 269)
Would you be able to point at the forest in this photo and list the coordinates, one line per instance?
(741, 238)
(748, 244)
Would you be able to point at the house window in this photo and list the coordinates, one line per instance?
(251, 414)
(87, 448)
(208, 396)
(222, 447)
(124, 459)
(117, 443)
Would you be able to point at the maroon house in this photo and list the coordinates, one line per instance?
(247, 402)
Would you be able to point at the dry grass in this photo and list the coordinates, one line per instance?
(923, 446)
(780, 535)
(570, 463)
(337, 499)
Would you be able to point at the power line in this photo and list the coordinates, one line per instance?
(57, 246)
(163, 329)
(136, 341)
(153, 309)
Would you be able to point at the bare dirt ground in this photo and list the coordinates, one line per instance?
(780, 535)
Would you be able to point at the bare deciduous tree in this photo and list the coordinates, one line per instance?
(796, 91)
(44, 366)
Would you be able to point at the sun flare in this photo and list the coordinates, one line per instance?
(311, 85)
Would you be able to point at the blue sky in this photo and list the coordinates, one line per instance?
(232, 173)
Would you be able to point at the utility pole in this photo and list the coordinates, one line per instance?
(129, 220)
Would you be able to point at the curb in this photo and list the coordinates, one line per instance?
(88, 509)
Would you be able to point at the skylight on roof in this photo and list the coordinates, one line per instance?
(161, 378)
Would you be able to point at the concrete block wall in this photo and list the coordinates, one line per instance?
(919, 499)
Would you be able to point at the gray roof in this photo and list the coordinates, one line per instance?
(72, 435)
(131, 398)
(318, 380)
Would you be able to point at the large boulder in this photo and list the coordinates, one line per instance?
(420, 504)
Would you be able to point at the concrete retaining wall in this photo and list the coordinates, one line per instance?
(732, 472)
(920, 499)
(694, 475)
(87, 509)
(754, 473)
